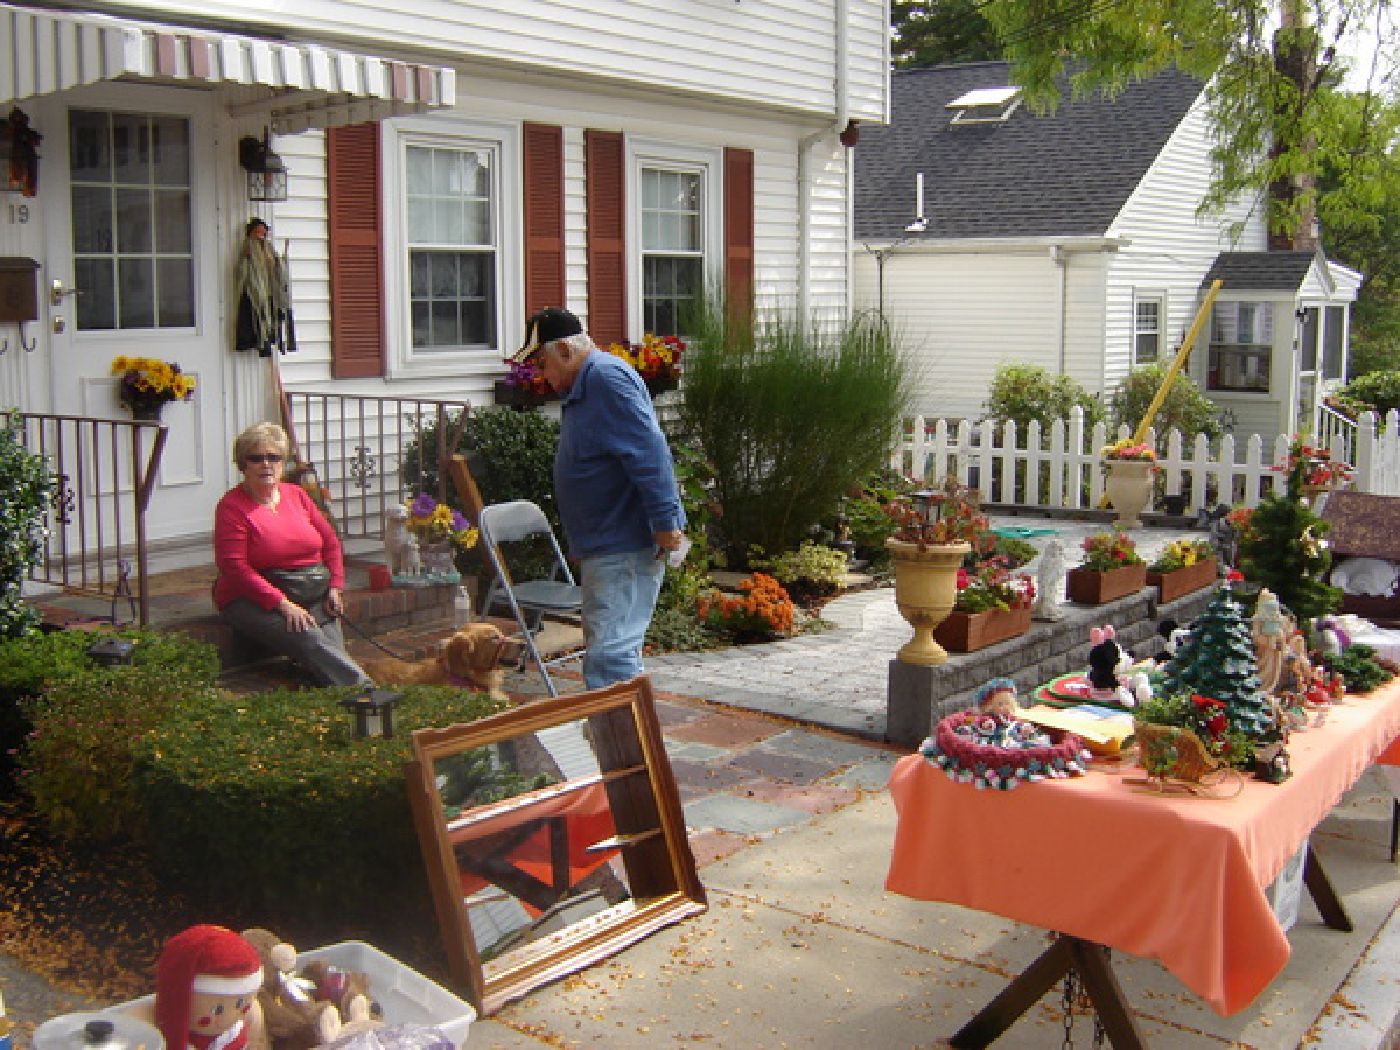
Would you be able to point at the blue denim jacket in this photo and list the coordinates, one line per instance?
(612, 474)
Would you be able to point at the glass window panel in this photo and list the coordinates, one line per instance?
(89, 147)
(651, 229)
(1332, 343)
(420, 220)
(421, 327)
(474, 276)
(173, 221)
(135, 294)
(133, 220)
(445, 172)
(170, 140)
(477, 324)
(477, 223)
(419, 163)
(444, 267)
(97, 306)
(1307, 339)
(444, 322)
(480, 185)
(447, 222)
(419, 264)
(131, 149)
(92, 219)
(175, 288)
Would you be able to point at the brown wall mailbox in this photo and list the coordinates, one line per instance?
(19, 289)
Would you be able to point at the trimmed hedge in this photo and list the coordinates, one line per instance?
(269, 806)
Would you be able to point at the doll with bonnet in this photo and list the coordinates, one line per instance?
(207, 980)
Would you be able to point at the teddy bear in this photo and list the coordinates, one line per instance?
(348, 990)
(292, 1015)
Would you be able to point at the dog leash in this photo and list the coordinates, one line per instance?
(363, 634)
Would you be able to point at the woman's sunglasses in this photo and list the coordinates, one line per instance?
(264, 457)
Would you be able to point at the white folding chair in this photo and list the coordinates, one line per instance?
(529, 600)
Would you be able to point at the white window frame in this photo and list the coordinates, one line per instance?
(1262, 325)
(503, 142)
(1159, 297)
(708, 163)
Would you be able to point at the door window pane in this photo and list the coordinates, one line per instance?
(1332, 342)
(452, 254)
(133, 257)
(1308, 339)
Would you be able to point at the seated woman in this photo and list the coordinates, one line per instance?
(264, 527)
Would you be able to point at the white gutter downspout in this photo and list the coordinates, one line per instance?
(804, 165)
(1061, 261)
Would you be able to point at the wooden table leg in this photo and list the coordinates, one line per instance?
(1091, 960)
(1394, 828)
(1323, 895)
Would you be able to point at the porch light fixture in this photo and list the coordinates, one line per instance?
(267, 175)
(374, 711)
(111, 652)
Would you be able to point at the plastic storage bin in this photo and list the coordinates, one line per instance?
(406, 996)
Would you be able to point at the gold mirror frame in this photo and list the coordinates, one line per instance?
(622, 730)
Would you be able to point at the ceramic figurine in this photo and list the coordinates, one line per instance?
(1269, 628)
(1050, 582)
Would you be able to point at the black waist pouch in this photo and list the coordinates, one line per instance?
(305, 586)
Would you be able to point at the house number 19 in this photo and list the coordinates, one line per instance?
(19, 214)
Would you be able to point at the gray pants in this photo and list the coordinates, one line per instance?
(320, 651)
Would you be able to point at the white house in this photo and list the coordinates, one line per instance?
(451, 167)
(987, 233)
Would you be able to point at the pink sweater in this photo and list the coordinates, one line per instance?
(249, 537)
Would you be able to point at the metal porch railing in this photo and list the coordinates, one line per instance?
(104, 476)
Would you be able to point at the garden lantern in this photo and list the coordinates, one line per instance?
(929, 503)
(374, 711)
(111, 652)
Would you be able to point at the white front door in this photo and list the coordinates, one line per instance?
(132, 270)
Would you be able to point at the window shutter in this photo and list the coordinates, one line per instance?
(357, 273)
(544, 216)
(607, 236)
(738, 228)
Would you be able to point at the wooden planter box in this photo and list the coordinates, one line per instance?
(964, 632)
(518, 397)
(1172, 585)
(661, 385)
(1094, 588)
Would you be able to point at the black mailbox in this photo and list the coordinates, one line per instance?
(19, 289)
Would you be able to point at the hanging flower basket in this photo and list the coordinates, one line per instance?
(1094, 587)
(965, 632)
(1173, 585)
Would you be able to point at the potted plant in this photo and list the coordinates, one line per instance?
(1130, 465)
(1112, 568)
(991, 606)
(441, 531)
(1313, 470)
(934, 532)
(523, 387)
(147, 383)
(1182, 567)
(657, 360)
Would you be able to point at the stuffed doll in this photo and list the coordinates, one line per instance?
(998, 698)
(295, 1019)
(1109, 664)
(207, 979)
(348, 990)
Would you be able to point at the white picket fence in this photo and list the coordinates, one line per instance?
(1061, 468)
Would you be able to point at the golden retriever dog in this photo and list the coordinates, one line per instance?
(470, 659)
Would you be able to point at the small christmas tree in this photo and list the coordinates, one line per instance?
(1282, 548)
(1217, 662)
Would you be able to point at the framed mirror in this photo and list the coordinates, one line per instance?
(553, 837)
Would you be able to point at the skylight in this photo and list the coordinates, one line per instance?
(985, 105)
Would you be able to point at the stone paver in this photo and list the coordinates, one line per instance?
(743, 816)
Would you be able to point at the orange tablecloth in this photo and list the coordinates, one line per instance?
(1177, 879)
(1391, 755)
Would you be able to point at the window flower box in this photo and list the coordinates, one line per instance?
(1094, 587)
(519, 397)
(964, 632)
(1173, 585)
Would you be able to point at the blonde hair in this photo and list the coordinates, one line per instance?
(259, 435)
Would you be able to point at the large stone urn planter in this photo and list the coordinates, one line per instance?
(1129, 489)
(925, 587)
(1091, 587)
(966, 632)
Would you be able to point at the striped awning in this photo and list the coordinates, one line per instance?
(293, 86)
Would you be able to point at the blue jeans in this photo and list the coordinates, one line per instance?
(619, 596)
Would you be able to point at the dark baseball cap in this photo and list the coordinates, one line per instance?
(549, 324)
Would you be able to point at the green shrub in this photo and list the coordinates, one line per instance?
(267, 805)
(677, 629)
(77, 763)
(1185, 408)
(25, 484)
(1377, 391)
(791, 414)
(1026, 392)
(811, 571)
(1359, 670)
(1016, 552)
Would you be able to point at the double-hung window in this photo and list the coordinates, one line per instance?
(1148, 318)
(677, 230)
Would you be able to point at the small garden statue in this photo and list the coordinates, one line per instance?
(1049, 581)
(207, 981)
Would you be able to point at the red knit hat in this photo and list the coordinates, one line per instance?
(206, 959)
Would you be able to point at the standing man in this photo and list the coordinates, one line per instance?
(615, 486)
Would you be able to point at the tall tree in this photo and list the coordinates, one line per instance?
(1276, 72)
(932, 32)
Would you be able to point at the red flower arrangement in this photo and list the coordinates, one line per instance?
(991, 585)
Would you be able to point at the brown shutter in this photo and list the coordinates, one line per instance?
(357, 273)
(544, 216)
(738, 228)
(607, 236)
